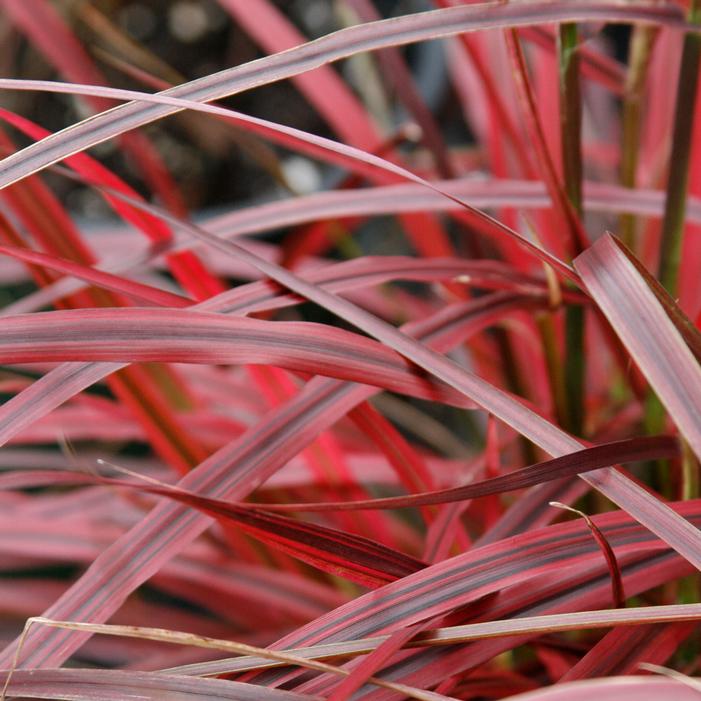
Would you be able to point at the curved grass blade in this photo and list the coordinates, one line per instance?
(397, 31)
(324, 88)
(146, 335)
(579, 462)
(372, 166)
(65, 381)
(646, 508)
(233, 472)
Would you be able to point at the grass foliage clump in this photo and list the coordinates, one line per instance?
(350, 349)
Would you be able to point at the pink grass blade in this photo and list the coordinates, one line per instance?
(650, 511)
(650, 335)
(98, 684)
(168, 335)
(62, 383)
(614, 689)
(394, 32)
(406, 197)
(161, 535)
(107, 281)
(370, 165)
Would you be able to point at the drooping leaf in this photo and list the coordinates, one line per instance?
(630, 450)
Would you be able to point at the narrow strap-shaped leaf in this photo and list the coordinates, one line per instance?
(99, 684)
(99, 278)
(344, 554)
(393, 32)
(579, 462)
(646, 508)
(232, 472)
(373, 167)
(651, 337)
(614, 689)
(145, 335)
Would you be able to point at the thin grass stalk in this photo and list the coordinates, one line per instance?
(562, 205)
(571, 138)
(690, 587)
(553, 362)
(675, 200)
(678, 180)
(641, 46)
(571, 114)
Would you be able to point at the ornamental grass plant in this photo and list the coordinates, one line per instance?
(350, 349)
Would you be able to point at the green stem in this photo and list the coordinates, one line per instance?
(677, 182)
(641, 44)
(690, 473)
(575, 367)
(571, 114)
(556, 376)
(571, 137)
(689, 586)
(675, 203)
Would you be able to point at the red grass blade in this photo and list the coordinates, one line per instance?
(647, 509)
(91, 168)
(622, 650)
(358, 559)
(579, 462)
(233, 472)
(99, 278)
